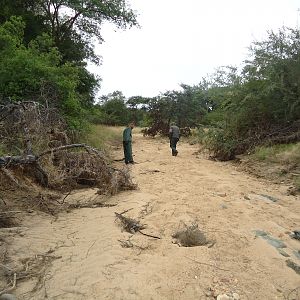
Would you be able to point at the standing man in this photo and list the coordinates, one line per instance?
(127, 144)
(174, 135)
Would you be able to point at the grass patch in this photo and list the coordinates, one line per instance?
(282, 154)
(101, 137)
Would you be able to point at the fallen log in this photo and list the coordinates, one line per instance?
(32, 161)
(7, 161)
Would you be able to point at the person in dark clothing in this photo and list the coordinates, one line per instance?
(127, 144)
(174, 135)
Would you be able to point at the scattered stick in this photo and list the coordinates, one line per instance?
(91, 205)
(130, 225)
(125, 211)
(13, 229)
(133, 226)
(6, 268)
(87, 253)
(63, 200)
(152, 171)
(206, 264)
(11, 212)
(10, 176)
(50, 256)
(65, 197)
(126, 244)
(149, 235)
(88, 148)
(9, 289)
(119, 159)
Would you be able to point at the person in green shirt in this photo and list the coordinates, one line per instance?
(127, 144)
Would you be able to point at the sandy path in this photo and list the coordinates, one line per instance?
(186, 189)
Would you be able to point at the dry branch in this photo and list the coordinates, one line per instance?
(29, 126)
(130, 225)
(88, 148)
(91, 205)
(149, 235)
(206, 264)
(11, 288)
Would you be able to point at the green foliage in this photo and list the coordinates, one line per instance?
(260, 102)
(114, 109)
(219, 144)
(70, 23)
(186, 107)
(45, 48)
(35, 72)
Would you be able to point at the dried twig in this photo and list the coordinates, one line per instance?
(10, 176)
(149, 235)
(290, 295)
(11, 212)
(130, 225)
(9, 289)
(6, 268)
(91, 205)
(65, 197)
(125, 211)
(206, 264)
(71, 146)
(87, 253)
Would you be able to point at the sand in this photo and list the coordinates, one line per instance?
(173, 192)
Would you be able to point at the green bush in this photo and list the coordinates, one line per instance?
(35, 72)
(221, 146)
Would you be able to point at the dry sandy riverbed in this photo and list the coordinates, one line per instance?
(173, 191)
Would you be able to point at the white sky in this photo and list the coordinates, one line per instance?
(182, 41)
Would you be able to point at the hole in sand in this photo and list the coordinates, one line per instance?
(190, 236)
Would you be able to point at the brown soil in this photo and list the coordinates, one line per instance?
(96, 260)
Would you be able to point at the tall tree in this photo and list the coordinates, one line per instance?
(68, 18)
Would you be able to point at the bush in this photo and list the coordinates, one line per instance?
(221, 146)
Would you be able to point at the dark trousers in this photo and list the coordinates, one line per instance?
(173, 144)
(127, 152)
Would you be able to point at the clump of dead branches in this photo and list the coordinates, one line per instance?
(30, 268)
(38, 145)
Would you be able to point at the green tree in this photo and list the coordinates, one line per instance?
(115, 111)
(262, 104)
(70, 23)
(35, 72)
